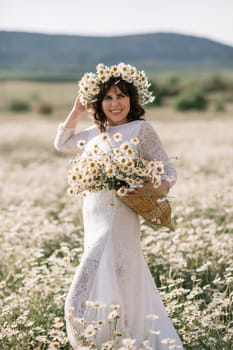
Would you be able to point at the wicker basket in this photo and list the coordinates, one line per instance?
(151, 208)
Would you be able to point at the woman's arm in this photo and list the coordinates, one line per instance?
(151, 148)
(66, 139)
(74, 115)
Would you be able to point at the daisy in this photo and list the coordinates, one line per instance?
(124, 146)
(117, 151)
(115, 71)
(117, 137)
(90, 331)
(135, 141)
(113, 315)
(122, 160)
(122, 192)
(70, 191)
(104, 136)
(81, 144)
(128, 342)
(129, 151)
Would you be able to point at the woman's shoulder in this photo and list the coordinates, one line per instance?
(145, 125)
(141, 123)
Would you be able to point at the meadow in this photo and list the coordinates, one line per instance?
(41, 234)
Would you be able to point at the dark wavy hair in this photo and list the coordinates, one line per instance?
(136, 110)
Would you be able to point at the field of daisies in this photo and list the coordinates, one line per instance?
(41, 235)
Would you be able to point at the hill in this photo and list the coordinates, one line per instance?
(20, 51)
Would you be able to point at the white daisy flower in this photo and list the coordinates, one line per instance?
(122, 160)
(124, 146)
(70, 191)
(128, 342)
(105, 136)
(135, 141)
(81, 144)
(113, 315)
(117, 151)
(122, 192)
(115, 71)
(130, 151)
(90, 331)
(117, 137)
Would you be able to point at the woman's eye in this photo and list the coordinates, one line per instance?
(121, 95)
(107, 98)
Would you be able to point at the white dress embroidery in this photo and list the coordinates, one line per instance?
(112, 268)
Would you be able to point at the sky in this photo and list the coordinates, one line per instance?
(212, 19)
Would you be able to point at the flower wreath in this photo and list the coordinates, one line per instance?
(89, 85)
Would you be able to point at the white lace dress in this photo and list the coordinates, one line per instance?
(112, 269)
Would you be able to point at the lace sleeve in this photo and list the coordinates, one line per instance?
(152, 148)
(66, 139)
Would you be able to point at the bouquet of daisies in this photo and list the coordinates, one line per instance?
(121, 169)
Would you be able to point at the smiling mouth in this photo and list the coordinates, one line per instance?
(116, 111)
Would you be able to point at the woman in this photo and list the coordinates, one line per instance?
(113, 273)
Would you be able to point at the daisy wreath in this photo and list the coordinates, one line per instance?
(89, 85)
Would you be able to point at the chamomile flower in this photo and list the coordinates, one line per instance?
(124, 146)
(115, 71)
(70, 191)
(128, 342)
(90, 179)
(135, 141)
(107, 345)
(97, 305)
(130, 182)
(117, 137)
(105, 136)
(159, 167)
(151, 165)
(146, 172)
(122, 192)
(129, 151)
(117, 151)
(130, 163)
(90, 331)
(81, 144)
(58, 323)
(156, 179)
(115, 306)
(113, 315)
(110, 171)
(122, 160)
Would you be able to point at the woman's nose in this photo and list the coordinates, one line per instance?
(115, 101)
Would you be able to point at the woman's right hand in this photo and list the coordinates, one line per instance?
(75, 114)
(78, 107)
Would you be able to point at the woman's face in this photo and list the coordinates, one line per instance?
(116, 106)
